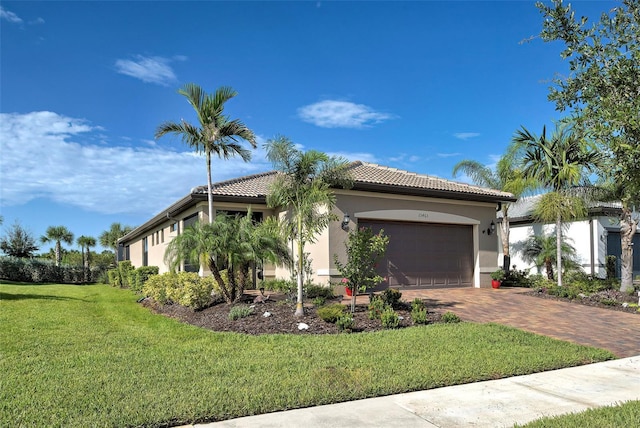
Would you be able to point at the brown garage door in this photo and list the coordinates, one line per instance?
(425, 255)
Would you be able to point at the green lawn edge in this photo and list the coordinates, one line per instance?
(91, 356)
(622, 415)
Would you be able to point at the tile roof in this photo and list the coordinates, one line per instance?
(524, 207)
(364, 173)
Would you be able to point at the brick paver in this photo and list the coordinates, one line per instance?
(616, 331)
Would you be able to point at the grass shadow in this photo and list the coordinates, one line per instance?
(12, 296)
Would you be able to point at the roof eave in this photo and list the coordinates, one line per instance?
(434, 193)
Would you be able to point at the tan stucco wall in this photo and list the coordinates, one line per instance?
(407, 208)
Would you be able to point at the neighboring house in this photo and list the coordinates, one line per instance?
(441, 232)
(593, 238)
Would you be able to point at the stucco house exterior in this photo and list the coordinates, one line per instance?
(594, 237)
(441, 233)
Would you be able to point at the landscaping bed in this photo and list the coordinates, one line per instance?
(607, 299)
(281, 317)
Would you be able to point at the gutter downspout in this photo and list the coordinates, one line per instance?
(591, 247)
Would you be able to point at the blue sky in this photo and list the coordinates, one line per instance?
(412, 85)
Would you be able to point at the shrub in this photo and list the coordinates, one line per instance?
(114, 278)
(450, 317)
(610, 263)
(319, 301)
(498, 275)
(238, 312)
(565, 291)
(156, 286)
(141, 275)
(331, 313)
(40, 271)
(284, 286)
(609, 302)
(184, 288)
(389, 318)
(418, 312)
(125, 268)
(391, 297)
(312, 291)
(346, 323)
(517, 278)
(376, 307)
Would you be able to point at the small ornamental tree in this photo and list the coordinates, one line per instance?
(364, 250)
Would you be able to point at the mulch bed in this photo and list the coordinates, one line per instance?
(281, 319)
(614, 299)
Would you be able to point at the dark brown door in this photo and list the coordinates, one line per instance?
(425, 255)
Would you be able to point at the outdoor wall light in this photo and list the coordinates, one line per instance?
(345, 222)
(492, 228)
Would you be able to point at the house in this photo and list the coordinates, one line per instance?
(442, 233)
(594, 237)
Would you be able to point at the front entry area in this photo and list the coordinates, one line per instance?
(425, 254)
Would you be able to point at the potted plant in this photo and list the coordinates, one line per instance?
(497, 277)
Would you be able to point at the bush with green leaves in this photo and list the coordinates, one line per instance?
(567, 292)
(140, 275)
(312, 291)
(240, 311)
(418, 312)
(319, 301)
(125, 268)
(184, 288)
(376, 307)
(517, 278)
(41, 271)
(113, 276)
(346, 323)
(331, 313)
(449, 317)
(284, 286)
(391, 297)
(389, 318)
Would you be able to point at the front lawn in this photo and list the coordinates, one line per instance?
(92, 356)
(623, 415)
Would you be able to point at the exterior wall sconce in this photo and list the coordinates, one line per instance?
(345, 222)
(491, 229)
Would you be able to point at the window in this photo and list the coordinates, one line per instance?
(145, 251)
(127, 256)
(174, 228)
(162, 235)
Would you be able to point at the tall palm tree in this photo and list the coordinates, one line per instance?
(559, 163)
(57, 234)
(541, 250)
(304, 188)
(86, 242)
(217, 133)
(109, 238)
(506, 177)
(231, 243)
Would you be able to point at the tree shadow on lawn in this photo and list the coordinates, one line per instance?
(12, 296)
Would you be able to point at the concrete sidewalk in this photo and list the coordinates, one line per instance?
(496, 403)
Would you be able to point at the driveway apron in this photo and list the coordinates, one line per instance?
(619, 332)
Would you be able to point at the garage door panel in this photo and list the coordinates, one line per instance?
(424, 254)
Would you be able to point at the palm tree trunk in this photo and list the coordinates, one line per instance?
(504, 229)
(559, 249)
(627, 229)
(58, 250)
(209, 188)
(299, 307)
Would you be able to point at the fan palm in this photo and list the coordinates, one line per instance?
(109, 238)
(558, 163)
(506, 177)
(217, 134)
(304, 188)
(57, 234)
(86, 242)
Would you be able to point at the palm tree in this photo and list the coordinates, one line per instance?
(229, 243)
(86, 242)
(541, 250)
(57, 234)
(507, 177)
(560, 164)
(109, 238)
(304, 188)
(217, 134)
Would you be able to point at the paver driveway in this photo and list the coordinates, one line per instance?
(616, 331)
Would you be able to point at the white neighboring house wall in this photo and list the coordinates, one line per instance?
(588, 237)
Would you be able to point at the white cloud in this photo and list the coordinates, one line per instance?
(148, 69)
(448, 155)
(466, 135)
(97, 178)
(9, 16)
(365, 157)
(341, 114)
(37, 21)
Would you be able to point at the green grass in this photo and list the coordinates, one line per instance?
(91, 356)
(623, 415)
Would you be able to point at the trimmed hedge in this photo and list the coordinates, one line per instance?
(185, 288)
(40, 271)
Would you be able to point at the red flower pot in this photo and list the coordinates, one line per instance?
(348, 291)
(495, 283)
